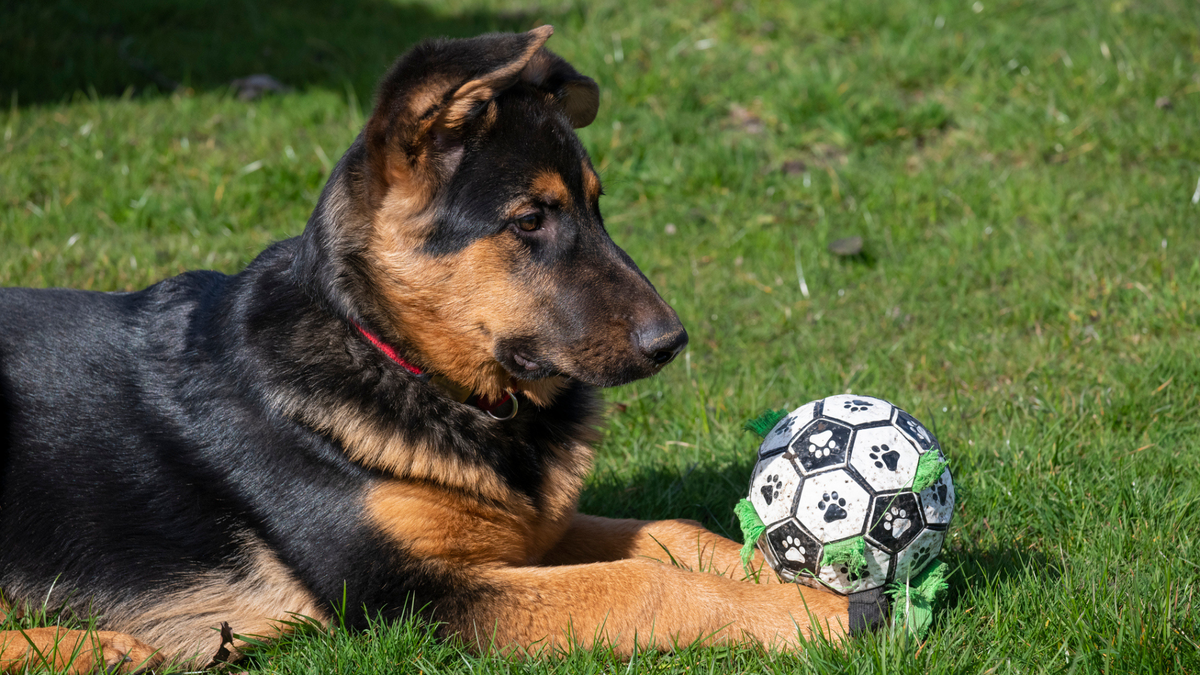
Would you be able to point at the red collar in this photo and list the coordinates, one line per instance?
(504, 409)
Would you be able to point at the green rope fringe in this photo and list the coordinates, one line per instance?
(929, 468)
(764, 423)
(912, 603)
(752, 525)
(852, 552)
(752, 530)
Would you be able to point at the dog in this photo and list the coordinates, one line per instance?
(391, 414)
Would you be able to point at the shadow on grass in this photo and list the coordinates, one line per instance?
(998, 567)
(696, 492)
(708, 494)
(58, 48)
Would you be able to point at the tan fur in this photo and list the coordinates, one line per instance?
(638, 603)
(373, 445)
(549, 187)
(423, 99)
(7, 609)
(390, 132)
(454, 307)
(184, 624)
(560, 490)
(460, 526)
(457, 528)
(489, 117)
(73, 651)
(591, 183)
(682, 543)
(631, 584)
(405, 209)
(539, 392)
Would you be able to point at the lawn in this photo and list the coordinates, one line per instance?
(1024, 176)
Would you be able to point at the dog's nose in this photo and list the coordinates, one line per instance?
(661, 341)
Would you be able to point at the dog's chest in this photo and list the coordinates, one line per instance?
(470, 517)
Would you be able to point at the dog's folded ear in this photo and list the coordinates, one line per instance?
(504, 58)
(415, 133)
(576, 94)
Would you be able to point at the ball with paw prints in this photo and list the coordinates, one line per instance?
(853, 493)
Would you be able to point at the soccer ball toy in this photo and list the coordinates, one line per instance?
(853, 493)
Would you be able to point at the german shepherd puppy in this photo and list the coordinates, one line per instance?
(392, 412)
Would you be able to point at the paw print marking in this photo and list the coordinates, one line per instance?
(785, 425)
(921, 556)
(852, 576)
(821, 444)
(923, 434)
(770, 491)
(941, 491)
(856, 405)
(885, 456)
(897, 521)
(917, 430)
(832, 505)
(793, 549)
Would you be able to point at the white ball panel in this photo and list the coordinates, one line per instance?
(786, 429)
(856, 409)
(874, 576)
(833, 505)
(774, 487)
(937, 500)
(885, 458)
(912, 561)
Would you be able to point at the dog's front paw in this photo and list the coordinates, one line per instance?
(121, 653)
(75, 651)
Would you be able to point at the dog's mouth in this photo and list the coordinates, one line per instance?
(524, 361)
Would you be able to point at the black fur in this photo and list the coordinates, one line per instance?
(140, 441)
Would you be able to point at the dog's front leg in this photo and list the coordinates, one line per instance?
(682, 543)
(639, 603)
(73, 651)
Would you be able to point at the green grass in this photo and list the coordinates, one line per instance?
(1030, 285)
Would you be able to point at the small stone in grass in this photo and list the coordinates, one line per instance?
(254, 86)
(846, 246)
(793, 167)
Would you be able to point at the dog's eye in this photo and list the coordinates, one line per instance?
(529, 222)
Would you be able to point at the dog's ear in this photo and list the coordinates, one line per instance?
(415, 130)
(576, 94)
(508, 57)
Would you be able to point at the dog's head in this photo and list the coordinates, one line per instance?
(464, 225)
